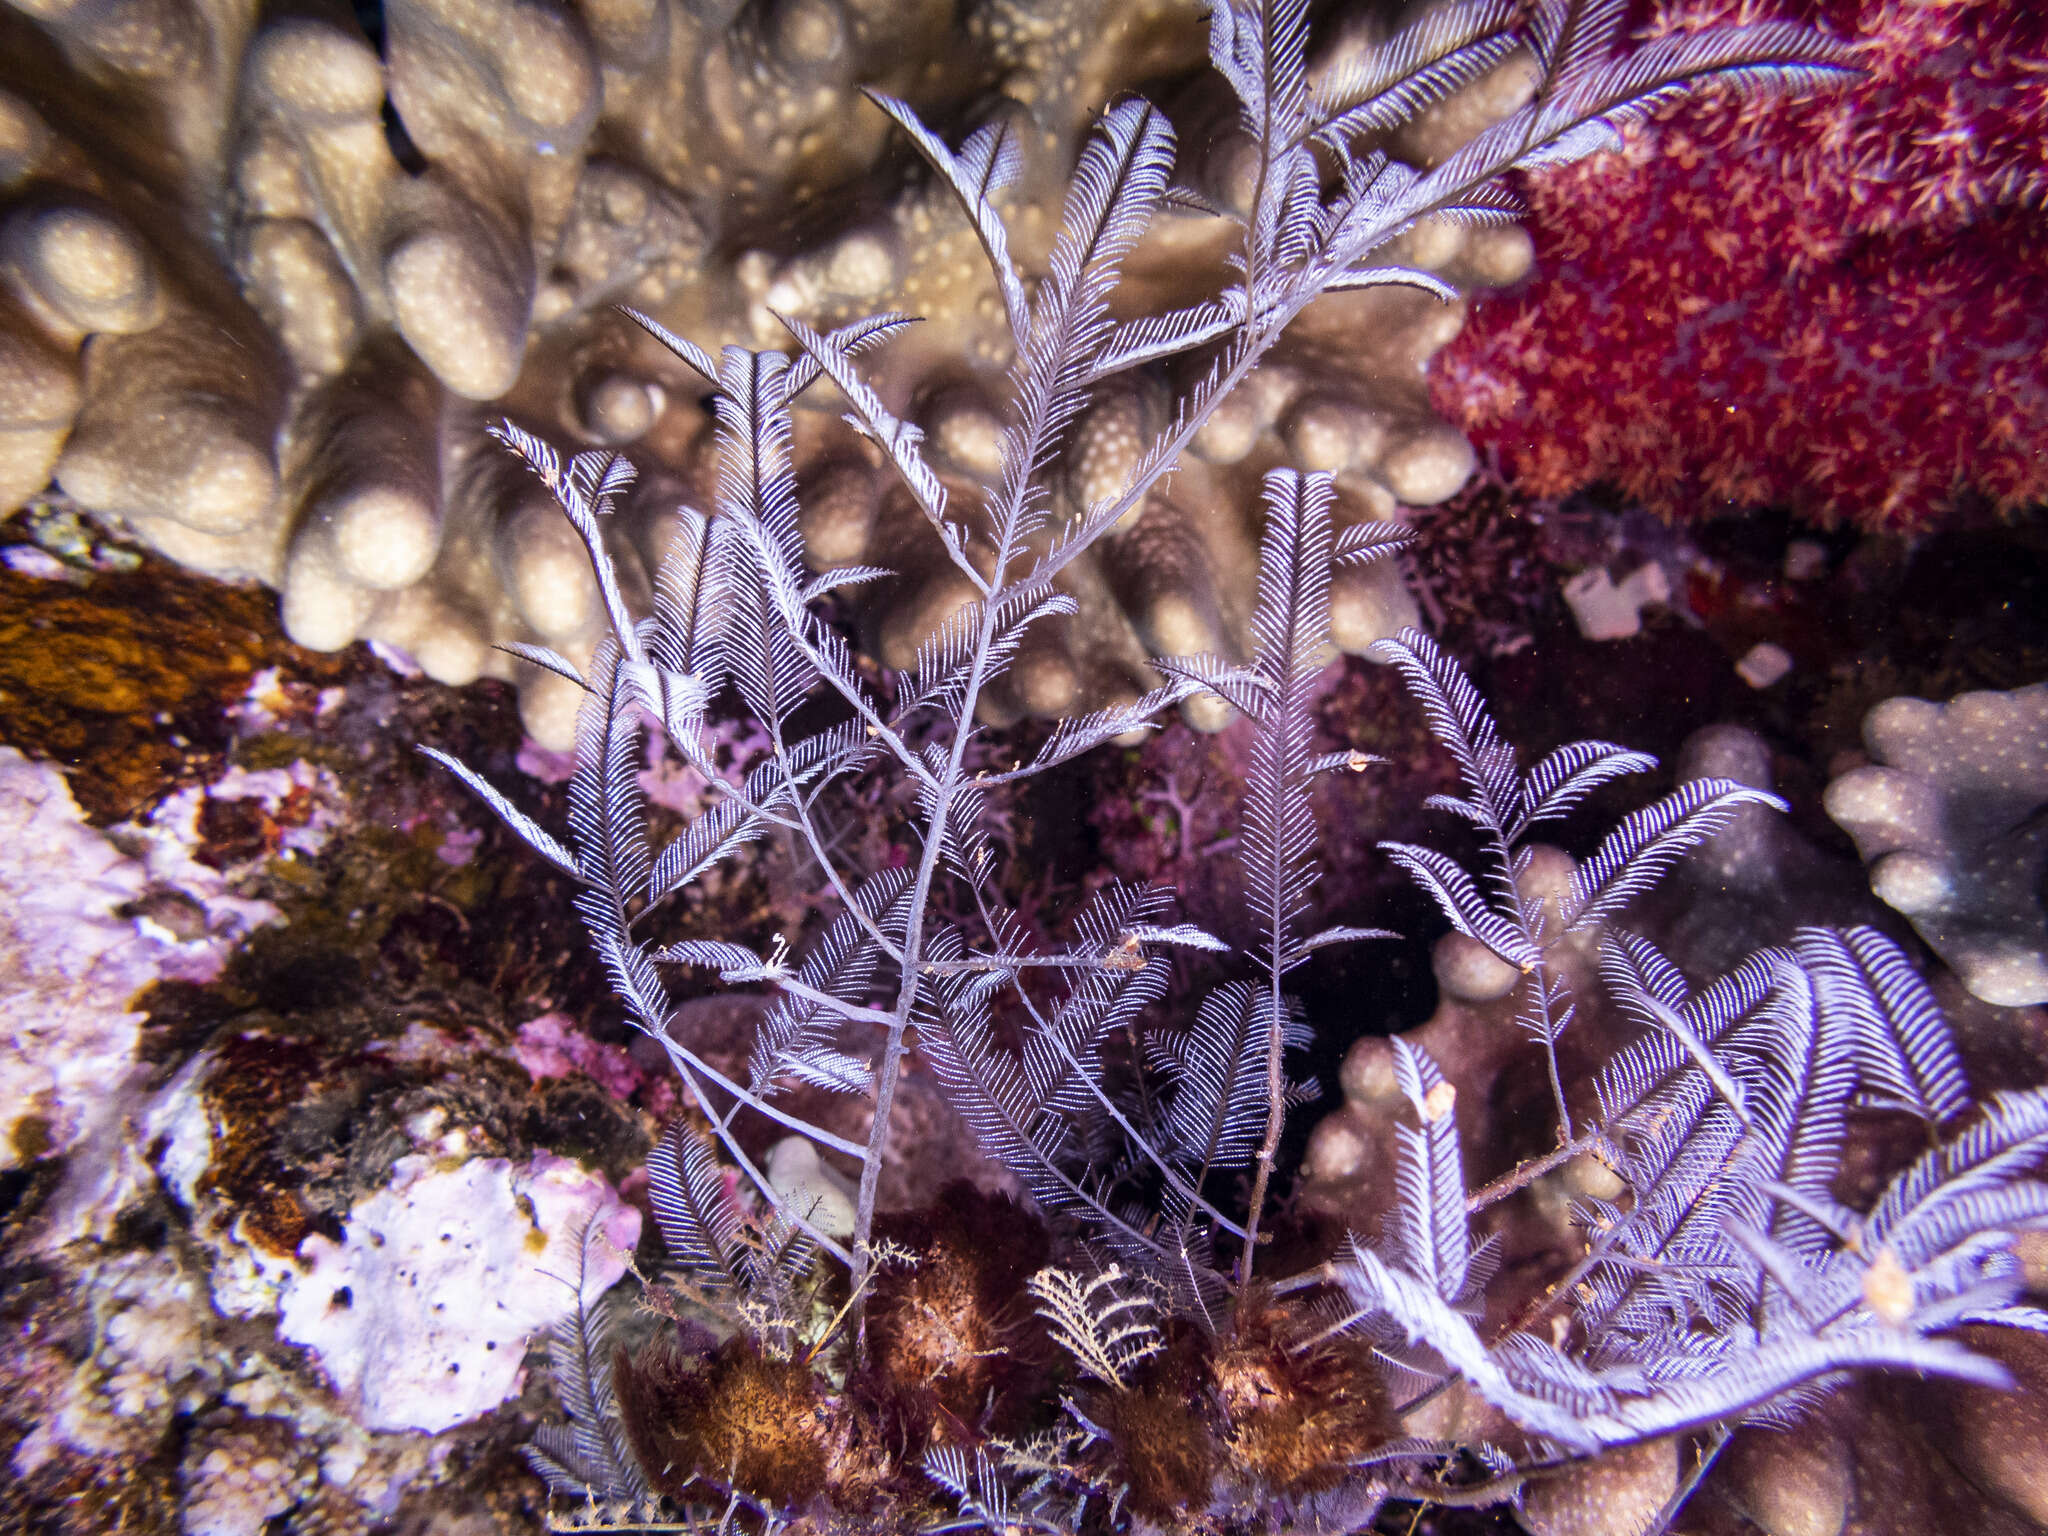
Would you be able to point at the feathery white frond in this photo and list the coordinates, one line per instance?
(1435, 1242)
(989, 160)
(700, 1221)
(536, 837)
(1866, 987)
(1459, 719)
(1636, 854)
(1458, 896)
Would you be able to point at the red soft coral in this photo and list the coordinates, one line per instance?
(1837, 302)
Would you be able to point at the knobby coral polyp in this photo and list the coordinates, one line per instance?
(822, 1356)
(264, 334)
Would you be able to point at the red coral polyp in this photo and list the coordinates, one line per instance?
(1837, 303)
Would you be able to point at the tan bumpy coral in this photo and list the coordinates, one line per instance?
(264, 281)
(1951, 815)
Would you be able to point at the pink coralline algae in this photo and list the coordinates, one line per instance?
(88, 921)
(552, 1046)
(1837, 303)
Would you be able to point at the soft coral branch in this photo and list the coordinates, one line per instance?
(1838, 303)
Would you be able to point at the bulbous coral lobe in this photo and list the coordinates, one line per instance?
(1948, 815)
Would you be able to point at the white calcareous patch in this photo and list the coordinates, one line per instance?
(420, 1316)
